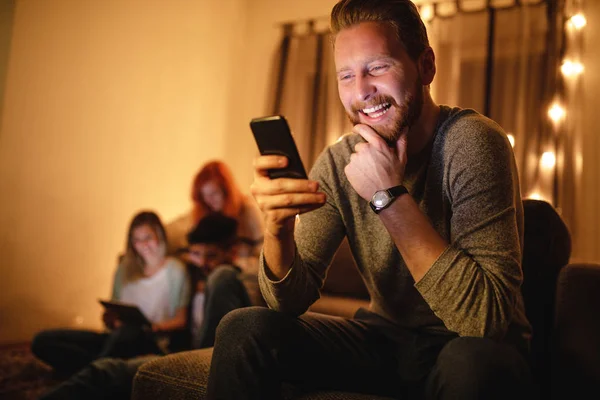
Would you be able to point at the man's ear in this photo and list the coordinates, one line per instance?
(426, 66)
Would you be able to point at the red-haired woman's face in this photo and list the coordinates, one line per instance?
(213, 196)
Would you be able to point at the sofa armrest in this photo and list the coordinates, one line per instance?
(577, 331)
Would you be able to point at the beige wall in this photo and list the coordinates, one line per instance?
(109, 107)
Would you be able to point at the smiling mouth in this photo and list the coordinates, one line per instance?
(376, 111)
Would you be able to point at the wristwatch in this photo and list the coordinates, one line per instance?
(383, 198)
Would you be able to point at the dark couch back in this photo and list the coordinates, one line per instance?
(547, 249)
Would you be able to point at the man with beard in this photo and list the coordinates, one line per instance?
(428, 197)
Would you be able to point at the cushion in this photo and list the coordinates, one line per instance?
(184, 376)
(577, 330)
(343, 277)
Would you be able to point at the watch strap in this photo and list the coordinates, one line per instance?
(397, 191)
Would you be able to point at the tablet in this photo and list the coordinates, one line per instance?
(127, 313)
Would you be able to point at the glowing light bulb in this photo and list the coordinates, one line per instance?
(578, 21)
(571, 68)
(511, 139)
(427, 12)
(556, 112)
(548, 160)
(535, 196)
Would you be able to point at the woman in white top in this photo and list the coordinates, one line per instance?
(147, 278)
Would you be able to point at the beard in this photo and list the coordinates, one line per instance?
(406, 114)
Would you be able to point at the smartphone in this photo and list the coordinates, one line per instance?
(273, 137)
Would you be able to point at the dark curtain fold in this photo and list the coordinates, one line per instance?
(308, 95)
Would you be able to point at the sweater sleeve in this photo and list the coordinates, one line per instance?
(474, 285)
(318, 235)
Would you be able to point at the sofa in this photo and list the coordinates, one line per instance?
(560, 339)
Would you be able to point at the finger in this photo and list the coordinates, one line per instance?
(292, 201)
(369, 135)
(265, 186)
(360, 146)
(262, 164)
(284, 213)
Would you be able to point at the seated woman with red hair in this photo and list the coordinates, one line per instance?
(214, 191)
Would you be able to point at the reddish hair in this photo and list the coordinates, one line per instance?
(219, 173)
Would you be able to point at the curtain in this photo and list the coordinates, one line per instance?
(306, 92)
(498, 62)
(497, 57)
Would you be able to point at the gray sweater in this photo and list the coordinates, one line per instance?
(466, 182)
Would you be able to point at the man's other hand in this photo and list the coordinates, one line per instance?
(374, 165)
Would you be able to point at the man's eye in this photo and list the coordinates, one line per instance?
(378, 68)
(345, 77)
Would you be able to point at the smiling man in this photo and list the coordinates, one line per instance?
(428, 197)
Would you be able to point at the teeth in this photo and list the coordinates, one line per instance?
(379, 114)
(376, 108)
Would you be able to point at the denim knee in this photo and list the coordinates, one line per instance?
(476, 368)
(42, 340)
(249, 324)
(222, 276)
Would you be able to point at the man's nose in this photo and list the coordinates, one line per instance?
(364, 88)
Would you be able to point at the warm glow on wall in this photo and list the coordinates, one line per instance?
(511, 139)
(577, 21)
(571, 68)
(556, 112)
(548, 160)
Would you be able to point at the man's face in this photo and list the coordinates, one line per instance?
(378, 83)
(207, 256)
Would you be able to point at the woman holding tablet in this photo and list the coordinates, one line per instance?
(147, 278)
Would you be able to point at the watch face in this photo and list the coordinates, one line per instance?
(381, 198)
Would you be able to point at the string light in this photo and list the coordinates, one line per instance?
(427, 12)
(548, 160)
(535, 196)
(571, 68)
(556, 113)
(578, 21)
(511, 139)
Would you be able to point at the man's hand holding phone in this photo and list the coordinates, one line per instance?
(281, 189)
(282, 199)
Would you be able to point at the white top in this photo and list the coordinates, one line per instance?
(197, 317)
(151, 295)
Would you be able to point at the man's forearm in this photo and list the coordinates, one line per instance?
(279, 252)
(416, 239)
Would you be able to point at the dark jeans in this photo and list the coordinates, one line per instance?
(68, 350)
(224, 292)
(257, 349)
(105, 378)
